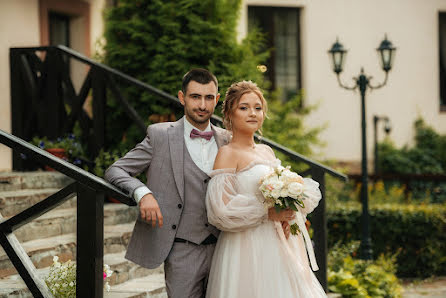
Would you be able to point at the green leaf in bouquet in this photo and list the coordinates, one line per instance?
(293, 206)
(294, 229)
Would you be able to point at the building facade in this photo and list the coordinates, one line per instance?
(300, 33)
(77, 24)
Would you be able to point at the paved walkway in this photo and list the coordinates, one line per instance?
(429, 288)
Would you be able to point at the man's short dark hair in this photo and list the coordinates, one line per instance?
(199, 75)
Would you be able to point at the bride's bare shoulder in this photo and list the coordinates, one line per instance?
(267, 150)
(226, 157)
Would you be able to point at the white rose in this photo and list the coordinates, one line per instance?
(295, 189)
(275, 193)
(276, 184)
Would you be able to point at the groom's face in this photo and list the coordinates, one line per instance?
(199, 102)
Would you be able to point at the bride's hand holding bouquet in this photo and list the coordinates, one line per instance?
(284, 189)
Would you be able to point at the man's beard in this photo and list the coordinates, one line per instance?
(200, 120)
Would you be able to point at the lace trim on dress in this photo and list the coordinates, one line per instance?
(272, 163)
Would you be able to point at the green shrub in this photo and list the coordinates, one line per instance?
(415, 231)
(427, 156)
(357, 278)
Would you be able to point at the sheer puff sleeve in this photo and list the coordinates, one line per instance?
(312, 196)
(226, 208)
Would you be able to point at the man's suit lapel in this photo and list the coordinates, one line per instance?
(176, 145)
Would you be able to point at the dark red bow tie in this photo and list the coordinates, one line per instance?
(201, 134)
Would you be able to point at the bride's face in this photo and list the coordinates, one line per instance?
(248, 114)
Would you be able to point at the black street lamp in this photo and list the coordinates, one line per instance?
(386, 51)
(387, 129)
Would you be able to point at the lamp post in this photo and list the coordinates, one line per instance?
(387, 129)
(362, 82)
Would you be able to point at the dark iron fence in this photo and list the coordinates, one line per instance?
(41, 89)
(90, 191)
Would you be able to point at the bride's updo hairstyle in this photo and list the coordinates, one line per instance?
(232, 98)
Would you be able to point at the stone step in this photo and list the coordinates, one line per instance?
(123, 272)
(32, 180)
(152, 286)
(15, 201)
(42, 251)
(63, 221)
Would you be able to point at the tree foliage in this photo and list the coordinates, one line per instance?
(285, 125)
(158, 41)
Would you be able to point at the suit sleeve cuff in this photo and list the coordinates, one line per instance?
(140, 192)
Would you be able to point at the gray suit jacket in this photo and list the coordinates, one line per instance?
(160, 155)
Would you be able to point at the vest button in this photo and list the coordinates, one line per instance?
(207, 180)
(180, 206)
(206, 225)
(174, 227)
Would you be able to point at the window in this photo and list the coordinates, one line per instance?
(281, 26)
(442, 55)
(59, 29)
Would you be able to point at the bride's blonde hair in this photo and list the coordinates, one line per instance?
(232, 98)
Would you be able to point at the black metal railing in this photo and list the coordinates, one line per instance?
(45, 86)
(90, 191)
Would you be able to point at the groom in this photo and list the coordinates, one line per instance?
(177, 156)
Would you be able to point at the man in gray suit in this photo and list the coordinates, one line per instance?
(176, 157)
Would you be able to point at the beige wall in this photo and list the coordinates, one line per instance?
(413, 86)
(19, 27)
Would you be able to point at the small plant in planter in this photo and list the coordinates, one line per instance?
(67, 148)
(102, 162)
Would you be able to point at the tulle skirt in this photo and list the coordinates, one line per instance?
(255, 263)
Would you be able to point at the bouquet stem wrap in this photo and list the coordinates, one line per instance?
(299, 220)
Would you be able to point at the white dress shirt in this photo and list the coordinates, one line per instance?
(202, 152)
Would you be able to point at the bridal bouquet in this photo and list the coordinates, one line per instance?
(284, 189)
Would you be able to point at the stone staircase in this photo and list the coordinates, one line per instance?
(54, 233)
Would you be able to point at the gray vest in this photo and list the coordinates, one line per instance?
(194, 224)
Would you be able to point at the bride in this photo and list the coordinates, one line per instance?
(253, 257)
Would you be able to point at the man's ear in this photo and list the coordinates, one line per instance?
(217, 98)
(181, 97)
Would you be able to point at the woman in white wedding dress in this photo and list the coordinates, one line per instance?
(253, 257)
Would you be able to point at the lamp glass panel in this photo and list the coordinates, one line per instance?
(338, 60)
(386, 58)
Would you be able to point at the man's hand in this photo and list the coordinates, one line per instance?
(150, 211)
(286, 229)
(284, 215)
